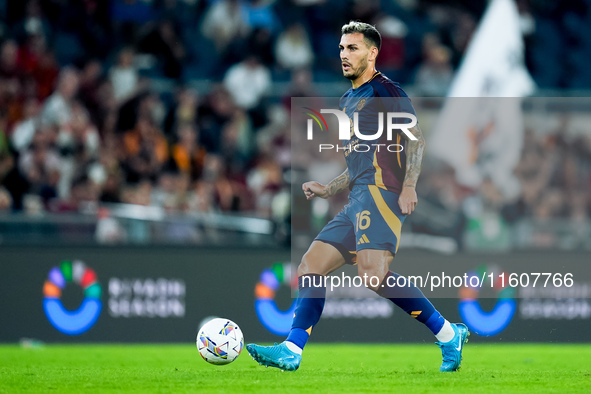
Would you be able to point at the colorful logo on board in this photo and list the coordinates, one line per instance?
(82, 319)
(275, 320)
(484, 323)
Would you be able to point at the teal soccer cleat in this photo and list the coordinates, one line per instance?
(278, 356)
(452, 350)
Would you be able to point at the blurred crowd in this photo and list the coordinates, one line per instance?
(82, 120)
(554, 193)
(555, 173)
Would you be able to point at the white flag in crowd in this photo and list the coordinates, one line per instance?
(482, 137)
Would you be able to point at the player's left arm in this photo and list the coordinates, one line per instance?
(414, 157)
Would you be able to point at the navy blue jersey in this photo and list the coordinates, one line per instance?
(380, 162)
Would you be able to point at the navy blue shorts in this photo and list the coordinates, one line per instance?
(371, 220)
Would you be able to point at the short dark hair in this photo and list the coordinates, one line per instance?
(370, 34)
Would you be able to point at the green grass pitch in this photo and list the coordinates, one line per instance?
(326, 368)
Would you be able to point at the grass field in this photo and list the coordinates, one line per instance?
(326, 368)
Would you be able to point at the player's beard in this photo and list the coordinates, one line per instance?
(355, 73)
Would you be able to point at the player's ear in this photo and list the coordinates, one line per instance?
(373, 53)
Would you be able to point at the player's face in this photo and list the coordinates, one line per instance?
(354, 55)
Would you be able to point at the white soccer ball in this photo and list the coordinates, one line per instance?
(220, 341)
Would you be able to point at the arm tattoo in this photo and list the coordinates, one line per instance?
(414, 157)
(338, 184)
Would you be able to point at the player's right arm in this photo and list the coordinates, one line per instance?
(314, 189)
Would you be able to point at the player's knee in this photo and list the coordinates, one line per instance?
(367, 272)
(303, 268)
(311, 264)
(305, 265)
(372, 266)
(372, 276)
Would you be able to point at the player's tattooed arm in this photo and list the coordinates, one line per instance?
(414, 157)
(339, 184)
(314, 189)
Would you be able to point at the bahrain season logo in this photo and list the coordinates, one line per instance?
(82, 319)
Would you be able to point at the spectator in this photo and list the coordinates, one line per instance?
(45, 73)
(78, 145)
(225, 22)
(8, 60)
(265, 180)
(111, 189)
(237, 144)
(201, 198)
(301, 86)
(11, 77)
(108, 229)
(4, 149)
(24, 131)
(164, 43)
(57, 110)
(183, 111)
(146, 151)
(434, 75)
(226, 194)
(31, 52)
(138, 193)
(81, 137)
(393, 53)
(164, 190)
(91, 80)
(124, 76)
(34, 23)
(5, 199)
(248, 82)
(143, 105)
(217, 109)
(105, 112)
(176, 202)
(293, 49)
(10, 178)
(107, 171)
(187, 154)
(40, 166)
(83, 193)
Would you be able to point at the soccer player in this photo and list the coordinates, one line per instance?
(382, 192)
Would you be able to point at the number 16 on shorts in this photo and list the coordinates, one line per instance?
(363, 220)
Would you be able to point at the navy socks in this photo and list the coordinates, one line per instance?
(312, 293)
(412, 300)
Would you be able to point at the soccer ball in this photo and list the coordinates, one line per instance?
(220, 341)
